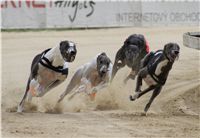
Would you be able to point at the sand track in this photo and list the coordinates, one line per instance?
(174, 113)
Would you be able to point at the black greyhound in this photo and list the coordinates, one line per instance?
(134, 49)
(154, 71)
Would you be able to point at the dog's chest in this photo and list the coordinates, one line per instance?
(57, 62)
(55, 57)
(95, 79)
(159, 67)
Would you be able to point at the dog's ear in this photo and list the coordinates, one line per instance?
(128, 40)
(103, 54)
(141, 37)
(63, 47)
(137, 39)
(166, 47)
(143, 42)
(64, 44)
(178, 47)
(100, 55)
(98, 58)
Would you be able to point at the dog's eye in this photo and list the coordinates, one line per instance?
(101, 62)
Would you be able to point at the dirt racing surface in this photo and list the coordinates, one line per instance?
(174, 113)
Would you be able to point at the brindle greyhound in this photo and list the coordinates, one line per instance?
(134, 49)
(154, 71)
(48, 70)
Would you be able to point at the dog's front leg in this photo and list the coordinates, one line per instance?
(21, 104)
(138, 94)
(138, 88)
(143, 72)
(99, 87)
(117, 65)
(119, 62)
(76, 80)
(155, 93)
(94, 90)
(69, 88)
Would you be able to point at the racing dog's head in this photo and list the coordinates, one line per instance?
(103, 63)
(134, 46)
(68, 50)
(171, 51)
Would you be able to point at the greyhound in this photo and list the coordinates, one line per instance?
(91, 77)
(154, 71)
(48, 70)
(134, 49)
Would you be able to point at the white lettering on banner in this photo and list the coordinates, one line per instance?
(158, 17)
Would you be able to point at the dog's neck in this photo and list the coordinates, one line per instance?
(54, 56)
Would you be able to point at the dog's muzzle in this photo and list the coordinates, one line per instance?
(174, 55)
(103, 70)
(72, 55)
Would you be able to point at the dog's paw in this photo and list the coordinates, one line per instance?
(144, 114)
(131, 98)
(19, 109)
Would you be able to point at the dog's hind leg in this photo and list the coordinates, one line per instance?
(21, 104)
(142, 74)
(155, 93)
